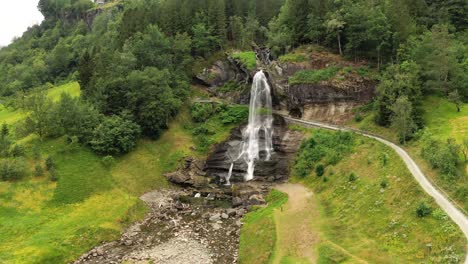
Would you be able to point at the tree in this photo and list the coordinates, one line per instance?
(4, 131)
(396, 81)
(203, 40)
(115, 135)
(38, 105)
(335, 24)
(455, 98)
(402, 120)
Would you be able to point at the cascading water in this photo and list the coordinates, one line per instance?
(260, 124)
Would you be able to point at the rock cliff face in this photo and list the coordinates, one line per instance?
(330, 100)
(285, 144)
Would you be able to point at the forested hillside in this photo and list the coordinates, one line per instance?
(99, 101)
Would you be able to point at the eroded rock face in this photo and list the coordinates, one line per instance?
(330, 101)
(285, 144)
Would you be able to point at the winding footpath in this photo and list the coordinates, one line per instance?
(452, 211)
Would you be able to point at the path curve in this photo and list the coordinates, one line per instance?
(452, 211)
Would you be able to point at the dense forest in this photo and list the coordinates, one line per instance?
(134, 59)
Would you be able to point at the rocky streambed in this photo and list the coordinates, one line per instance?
(183, 226)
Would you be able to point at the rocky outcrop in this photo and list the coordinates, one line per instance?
(285, 144)
(331, 100)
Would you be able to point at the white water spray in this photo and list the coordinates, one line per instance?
(260, 123)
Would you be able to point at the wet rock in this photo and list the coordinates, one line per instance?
(215, 217)
(236, 201)
(231, 212)
(256, 199)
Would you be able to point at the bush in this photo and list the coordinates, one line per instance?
(423, 210)
(13, 169)
(53, 174)
(352, 177)
(108, 161)
(18, 151)
(38, 170)
(319, 170)
(36, 153)
(234, 115)
(49, 163)
(358, 117)
(442, 156)
(384, 184)
(115, 135)
(201, 112)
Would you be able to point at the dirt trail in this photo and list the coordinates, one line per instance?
(297, 225)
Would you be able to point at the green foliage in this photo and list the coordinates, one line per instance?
(18, 151)
(201, 112)
(402, 121)
(234, 114)
(398, 81)
(49, 163)
(319, 170)
(326, 146)
(115, 135)
(423, 210)
(247, 58)
(352, 177)
(108, 161)
(384, 184)
(313, 76)
(292, 57)
(441, 155)
(38, 170)
(13, 169)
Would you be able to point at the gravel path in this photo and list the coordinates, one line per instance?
(452, 211)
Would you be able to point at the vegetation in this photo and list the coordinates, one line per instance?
(258, 234)
(313, 76)
(248, 58)
(383, 224)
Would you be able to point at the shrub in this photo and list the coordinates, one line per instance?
(49, 163)
(18, 151)
(319, 170)
(423, 210)
(38, 170)
(442, 156)
(13, 169)
(36, 153)
(53, 174)
(108, 161)
(383, 158)
(201, 112)
(352, 177)
(115, 135)
(358, 117)
(384, 184)
(234, 115)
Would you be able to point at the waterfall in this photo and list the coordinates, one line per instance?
(260, 124)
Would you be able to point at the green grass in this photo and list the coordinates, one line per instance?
(72, 88)
(375, 224)
(292, 57)
(258, 234)
(313, 76)
(248, 58)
